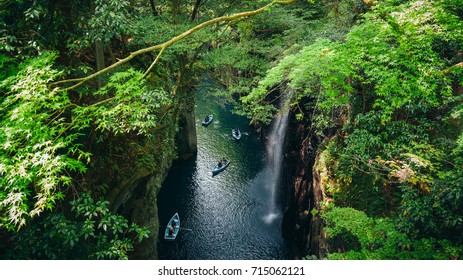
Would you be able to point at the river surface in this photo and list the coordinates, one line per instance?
(232, 215)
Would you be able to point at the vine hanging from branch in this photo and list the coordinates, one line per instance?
(161, 47)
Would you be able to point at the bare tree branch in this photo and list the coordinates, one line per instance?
(168, 43)
(369, 3)
(152, 64)
(452, 68)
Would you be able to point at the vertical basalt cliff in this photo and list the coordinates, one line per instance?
(134, 169)
(136, 199)
(307, 192)
(143, 191)
(186, 140)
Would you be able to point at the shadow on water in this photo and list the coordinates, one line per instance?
(228, 213)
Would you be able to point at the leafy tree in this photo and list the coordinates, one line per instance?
(93, 232)
(382, 94)
(53, 138)
(40, 150)
(368, 238)
(248, 48)
(33, 153)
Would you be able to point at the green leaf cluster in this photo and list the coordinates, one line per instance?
(90, 232)
(368, 238)
(110, 19)
(246, 49)
(41, 131)
(35, 152)
(128, 105)
(386, 97)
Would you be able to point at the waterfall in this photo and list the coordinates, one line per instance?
(275, 160)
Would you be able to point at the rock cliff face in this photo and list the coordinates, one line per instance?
(307, 191)
(136, 196)
(136, 199)
(186, 141)
(317, 238)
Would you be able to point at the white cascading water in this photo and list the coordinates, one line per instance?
(275, 160)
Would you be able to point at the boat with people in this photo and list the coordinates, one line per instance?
(173, 227)
(236, 133)
(207, 120)
(220, 166)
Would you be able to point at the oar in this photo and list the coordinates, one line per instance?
(187, 229)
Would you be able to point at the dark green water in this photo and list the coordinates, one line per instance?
(227, 213)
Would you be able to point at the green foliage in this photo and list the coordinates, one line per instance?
(41, 127)
(246, 49)
(110, 19)
(369, 238)
(91, 232)
(316, 71)
(129, 105)
(25, 16)
(35, 153)
(382, 93)
(6, 71)
(401, 69)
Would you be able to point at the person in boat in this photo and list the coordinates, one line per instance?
(174, 223)
(224, 161)
(219, 165)
(171, 231)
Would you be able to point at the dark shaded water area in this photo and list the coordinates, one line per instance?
(233, 215)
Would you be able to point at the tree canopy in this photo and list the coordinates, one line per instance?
(86, 83)
(390, 88)
(61, 128)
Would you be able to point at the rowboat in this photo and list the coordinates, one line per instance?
(173, 227)
(218, 169)
(207, 120)
(236, 133)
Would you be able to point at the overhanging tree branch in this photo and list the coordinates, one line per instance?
(452, 68)
(80, 81)
(369, 3)
(152, 65)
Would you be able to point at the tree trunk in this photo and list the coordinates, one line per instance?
(195, 13)
(153, 8)
(175, 8)
(51, 11)
(111, 54)
(99, 52)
